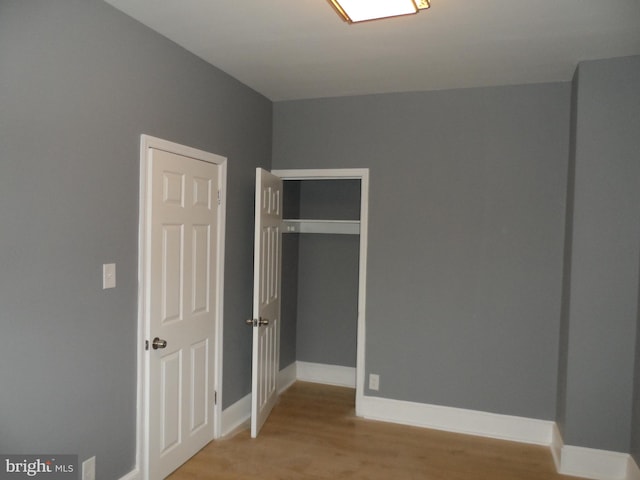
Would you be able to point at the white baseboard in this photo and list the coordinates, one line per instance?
(132, 475)
(504, 427)
(556, 446)
(633, 472)
(287, 377)
(327, 374)
(235, 415)
(594, 464)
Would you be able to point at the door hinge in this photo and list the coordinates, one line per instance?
(215, 397)
(219, 198)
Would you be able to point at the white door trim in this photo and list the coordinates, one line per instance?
(361, 174)
(146, 143)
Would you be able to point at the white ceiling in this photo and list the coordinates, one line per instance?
(293, 49)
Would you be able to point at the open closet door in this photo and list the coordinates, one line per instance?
(266, 297)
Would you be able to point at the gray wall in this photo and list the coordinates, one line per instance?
(289, 286)
(79, 83)
(330, 199)
(467, 202)
(328, 276)
(602, 313)
(563, 351)
(328, 299)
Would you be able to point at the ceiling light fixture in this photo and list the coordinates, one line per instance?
(362, 10)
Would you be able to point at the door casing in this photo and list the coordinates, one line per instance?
(148, 142)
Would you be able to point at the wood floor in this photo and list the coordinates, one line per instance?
(313, 434)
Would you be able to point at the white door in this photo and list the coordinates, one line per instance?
(181, 288)
(266, 297)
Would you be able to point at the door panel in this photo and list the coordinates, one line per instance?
(201, 254)
(266, 297)
(181, 269)
(199, 372)
(171, 258)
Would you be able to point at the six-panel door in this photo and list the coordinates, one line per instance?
(266, 297)
(184, 211)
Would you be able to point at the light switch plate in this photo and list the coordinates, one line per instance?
(108, 275)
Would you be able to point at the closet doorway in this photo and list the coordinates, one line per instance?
(348, 234)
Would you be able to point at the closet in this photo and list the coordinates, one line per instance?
(323, 275)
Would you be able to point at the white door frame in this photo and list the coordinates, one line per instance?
(361, 174)
(146, 143)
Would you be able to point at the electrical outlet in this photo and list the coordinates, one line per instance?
(89, 469)
(374, 381)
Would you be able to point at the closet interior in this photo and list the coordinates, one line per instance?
(320, 272)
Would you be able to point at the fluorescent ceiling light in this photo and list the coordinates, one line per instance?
(362, 10)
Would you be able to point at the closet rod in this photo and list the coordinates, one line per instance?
(342, 227)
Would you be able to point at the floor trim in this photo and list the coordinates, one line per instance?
(473, 422)
(132, 475)
(327, 374)
(556, 446)
(287, 377)
(235, 415)
(593, 463)
(633, 471)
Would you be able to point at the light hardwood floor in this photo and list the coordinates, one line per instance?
(313, 434)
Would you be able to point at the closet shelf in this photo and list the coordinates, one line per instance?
(343, 227)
